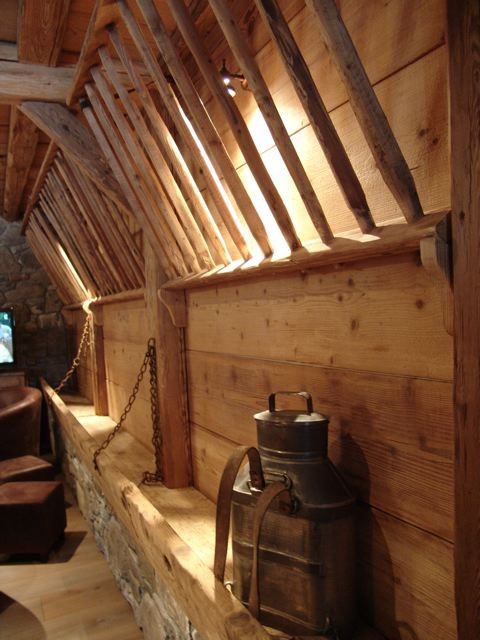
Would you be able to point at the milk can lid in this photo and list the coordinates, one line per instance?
(289, 416)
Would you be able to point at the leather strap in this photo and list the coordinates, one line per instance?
(271, 492)
(224, 500)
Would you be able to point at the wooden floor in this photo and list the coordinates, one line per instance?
(72, 597)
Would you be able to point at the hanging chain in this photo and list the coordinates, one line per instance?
(149, 359)
(84, 342)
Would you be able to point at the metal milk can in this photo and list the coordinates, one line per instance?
(304, 562)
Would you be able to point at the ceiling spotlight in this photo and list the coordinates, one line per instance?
(228, 76)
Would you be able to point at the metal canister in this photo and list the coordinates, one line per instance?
(306, 559)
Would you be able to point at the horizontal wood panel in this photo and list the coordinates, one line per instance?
(405, 575)
(383, 316)
(138, 422)
(391, 437)
(125, 322)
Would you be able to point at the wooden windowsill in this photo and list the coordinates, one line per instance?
(173, 527)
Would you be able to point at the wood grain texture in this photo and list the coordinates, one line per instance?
(41, 28)
(384, 316)
(32, 82)
(464, 67)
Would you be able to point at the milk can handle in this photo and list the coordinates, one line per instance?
(304, 394)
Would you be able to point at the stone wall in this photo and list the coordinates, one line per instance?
(155, 610)
(41, 347)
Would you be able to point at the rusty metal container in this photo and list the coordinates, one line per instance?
(306, 560)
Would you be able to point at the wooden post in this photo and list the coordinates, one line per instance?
(172, 388)
(100, 393)
(464, 61)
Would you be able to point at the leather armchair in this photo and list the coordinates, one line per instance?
(20, 414)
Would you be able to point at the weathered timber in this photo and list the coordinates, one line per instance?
(148, 184)
(377, 131)
(77, 142)
(464, 70)
(20, 82)
(123, 171)
(41, 29)
(172, 392)
(320, 120)
(124, 296)
(32, 199)
(205, 220)
(164, 174)
(100, 394)
(8, 51)
(205, 129)
(237, 124)
(273, 119)
(22, 144)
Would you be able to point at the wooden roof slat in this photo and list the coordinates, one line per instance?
(76, 141)
(114, 228)
(376, 129)
(155, 227)
(204, 251)
(94, 227)
(148, 181)
(237, 124)
(47, 161)
(22, 144)
(169, 146)
(221, 212)
(205, 129)
(315, 109)
(33, 82)
(272, 118)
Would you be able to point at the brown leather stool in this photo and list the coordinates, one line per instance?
(32, 516)
(25, 468)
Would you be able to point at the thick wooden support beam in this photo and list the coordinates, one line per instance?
(20, 82)
(41, 27)
(464, 68)
(172, 389)
(22, 144)
(320, 120)
(205, 130)
(369, 113)
(237, 124)
(77, 142)
(272, 118)
(100, 392)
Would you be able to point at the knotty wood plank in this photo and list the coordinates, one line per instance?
(41, 29)
(205, 129)
(231, 113)
(378, 422)
(172, 394)
(320, 121)
(20, 82)
(22, 144)
(464, 67)
(77, 142)
(381, 316)
(368, 111)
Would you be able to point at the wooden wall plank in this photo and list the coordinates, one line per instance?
(393, 445)
(384, 317)
(464, 69)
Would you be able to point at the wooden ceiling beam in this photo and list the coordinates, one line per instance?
(41, 28)
(314, 107)
(364, 102)
(236, 122)
(19, 82)
(77, 142)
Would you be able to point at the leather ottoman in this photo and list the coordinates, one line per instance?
(32, 516)
(25, 468)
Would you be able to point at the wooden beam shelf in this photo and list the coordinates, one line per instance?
(388, 240)
(173, 527)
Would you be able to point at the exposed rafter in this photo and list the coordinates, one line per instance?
(20, 82)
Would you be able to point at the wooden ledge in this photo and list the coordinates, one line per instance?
(173, 527)
(388, 240)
